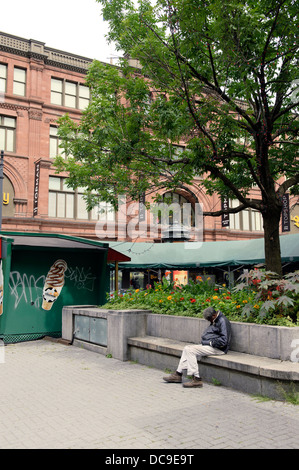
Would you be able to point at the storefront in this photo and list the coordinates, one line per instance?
(221, 261)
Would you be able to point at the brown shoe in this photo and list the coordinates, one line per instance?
(173, 378)
(195, 382)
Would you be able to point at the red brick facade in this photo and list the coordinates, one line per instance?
(34, 114)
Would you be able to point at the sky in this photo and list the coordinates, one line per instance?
(74, 26)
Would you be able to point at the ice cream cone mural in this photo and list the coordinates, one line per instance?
(54, 283)
(1, 289)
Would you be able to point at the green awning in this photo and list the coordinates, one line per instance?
(198, 255)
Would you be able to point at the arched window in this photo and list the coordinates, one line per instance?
(178, 210)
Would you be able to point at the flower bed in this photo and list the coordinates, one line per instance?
(259, 297)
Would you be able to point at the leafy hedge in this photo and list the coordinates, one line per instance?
(259, 297)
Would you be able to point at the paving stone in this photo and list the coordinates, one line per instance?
(58, 396)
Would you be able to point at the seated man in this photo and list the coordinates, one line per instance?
(215, 340)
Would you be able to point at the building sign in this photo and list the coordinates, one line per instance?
(285, 215)
(294, 217)
(224, 217)
(36, 188)
(8, 207)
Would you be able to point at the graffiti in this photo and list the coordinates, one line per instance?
(82, 279)
(27, 288)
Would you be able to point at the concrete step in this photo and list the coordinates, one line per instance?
(245, 372)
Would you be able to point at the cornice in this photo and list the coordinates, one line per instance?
(37, 50)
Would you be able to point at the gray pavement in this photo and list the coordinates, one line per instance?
(54, 396)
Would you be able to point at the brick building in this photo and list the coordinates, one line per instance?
(38, 84)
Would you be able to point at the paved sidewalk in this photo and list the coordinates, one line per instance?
(55, 396)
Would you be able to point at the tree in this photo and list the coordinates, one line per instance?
(220, 76)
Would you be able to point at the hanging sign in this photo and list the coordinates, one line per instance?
(36, 188)
(285, 215)
(224, 217)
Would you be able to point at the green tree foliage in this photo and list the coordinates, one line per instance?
(222, 76)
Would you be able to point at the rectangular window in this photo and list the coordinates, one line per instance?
(84, 97)
(54, 142)
(248, 219)
(66, 203)
(19, 82)
(7, 133)
(70, 94)
(56, 91)
(3, 77)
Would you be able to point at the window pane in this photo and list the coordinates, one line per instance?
(9, 122)
(56, 85)
(10, 140)
(70, 206)
(19, 75)
(70, 101)
(3, 70)
(56, 98)
(54, 183)
(52, 205)
(66, 188)
(2, 85)
(53, 130)
(60, 205)
(245, 215)
(81, 208)
(258, 220)
(95, 213)
(83, 91)
(53, 147)
(110, 212)
(19, 89)
(2, 138)
(70, 88)
(83, 103)
(102, 211)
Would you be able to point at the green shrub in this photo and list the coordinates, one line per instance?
(258, 297)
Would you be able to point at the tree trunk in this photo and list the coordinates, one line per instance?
(271, 219)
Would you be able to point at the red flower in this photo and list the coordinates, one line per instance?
(227, 297)
(182, 298)
(207, 300)
(216, 289)
(192, 301)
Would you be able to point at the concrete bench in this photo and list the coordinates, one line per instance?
(244, 372)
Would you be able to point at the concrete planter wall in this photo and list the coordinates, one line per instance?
(276, 342)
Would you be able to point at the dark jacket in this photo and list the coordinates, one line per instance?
(218, 334)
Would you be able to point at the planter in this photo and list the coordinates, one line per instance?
(276, 342)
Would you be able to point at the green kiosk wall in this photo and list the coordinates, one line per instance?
(26, 262)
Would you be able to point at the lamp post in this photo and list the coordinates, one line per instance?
(1, 185)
